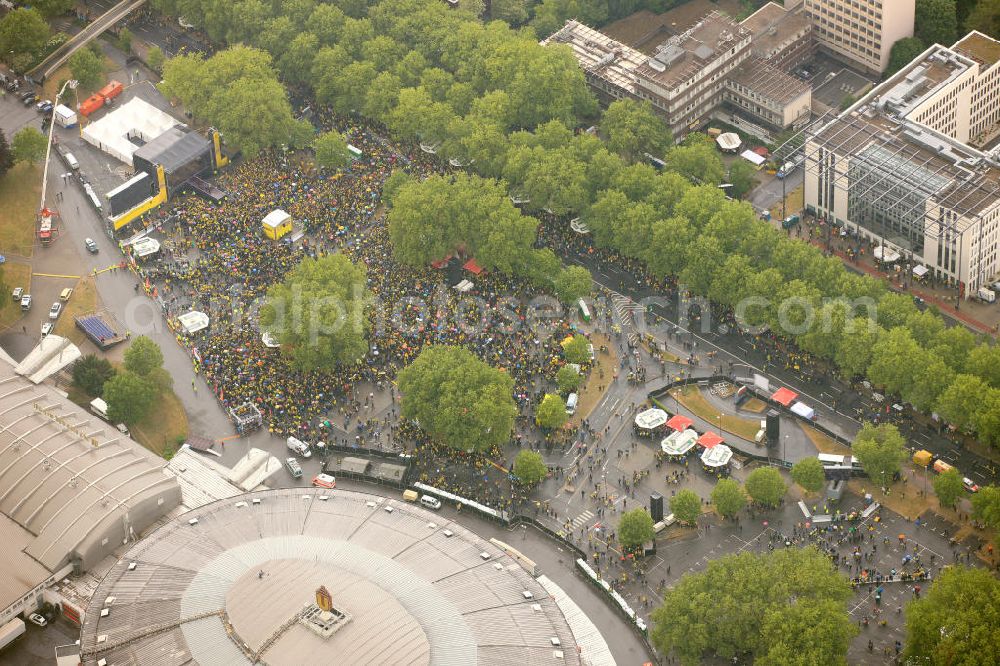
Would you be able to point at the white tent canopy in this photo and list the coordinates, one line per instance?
(729, 142)
(753, 157)
(193, 321)
(717, 456)
(920, 270)
(679, 443)
(803, 410)
(885, 254)
(136, 118)
(579, 226)
(651, 418)
(145, 247)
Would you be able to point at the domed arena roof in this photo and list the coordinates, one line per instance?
(314, 576)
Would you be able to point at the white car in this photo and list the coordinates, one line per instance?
(35, 618)
(298, 446)
(47, 328)
(55, 310)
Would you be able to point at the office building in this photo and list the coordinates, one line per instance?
(900, 167)
(861, 32)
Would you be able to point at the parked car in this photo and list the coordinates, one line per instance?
(970, 485)
(41, 105)
(26, 302)
(35, 618)
(65, 294)
(47, 328)
(324, 481)
(28, 97)
(55, 310)
(90, 245)
(18, 293)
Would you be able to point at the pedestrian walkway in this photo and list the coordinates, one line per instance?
(624, 309)
(582, 519)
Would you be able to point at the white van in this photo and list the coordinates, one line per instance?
(298, 446)
(432, 502)
(71, 162)
(571, 403)
(99, 407)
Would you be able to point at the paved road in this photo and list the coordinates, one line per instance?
(768, 194)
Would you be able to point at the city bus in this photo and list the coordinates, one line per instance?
(584, 310)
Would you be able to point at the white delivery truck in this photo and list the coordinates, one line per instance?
(986, 295)
(64, 116)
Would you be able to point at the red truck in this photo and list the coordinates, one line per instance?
(91, 104)
(112, 90)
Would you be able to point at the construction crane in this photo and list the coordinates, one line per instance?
(44, 213)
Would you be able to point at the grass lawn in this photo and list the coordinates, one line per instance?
(15, 274)
(824, 443)
(20, 192)
(589, 393)
(695, 402)
(162, 427)
(754, 405)
(83, 300)
(61, 75)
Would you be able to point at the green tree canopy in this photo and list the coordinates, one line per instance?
(52, 7)
(741, 177)
(29, 145)
(568, 379)
(238, 92)
(956, 621)
(91, 372)
(962, 400)
(728, 497)
(765, 486)
(948, 487)
(808, 473)
(935, 22)
(529, 468)
(577, 350)
(902, 54)
(881, 451)
(143, 356)
(986, 506)
(457, 399)
(737, 603)
(431, 219)
(23, 33)
(155, 58)
(318, 312)
(686, 506)
(86, 67)
(572, 283)
(697, 160)
(631, 129)
(331, 150)
(551, 413)
(129, 397)
(635, 528)
(6, 155)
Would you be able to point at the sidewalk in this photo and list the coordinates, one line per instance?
(862, 264)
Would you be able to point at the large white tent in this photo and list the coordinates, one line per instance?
(137, 119)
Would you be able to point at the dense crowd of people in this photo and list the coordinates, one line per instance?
(217, 260)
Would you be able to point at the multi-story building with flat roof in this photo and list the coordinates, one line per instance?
(686, 77)
(780, 37)
(861, 31)
(898, 166)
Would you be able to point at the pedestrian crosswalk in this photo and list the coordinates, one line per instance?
(624, 309)
(582, 519)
